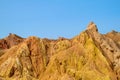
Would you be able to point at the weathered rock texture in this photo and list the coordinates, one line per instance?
(88, 56)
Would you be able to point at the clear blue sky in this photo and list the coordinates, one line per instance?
(54, 18)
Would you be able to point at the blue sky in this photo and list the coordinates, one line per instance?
(56, 18)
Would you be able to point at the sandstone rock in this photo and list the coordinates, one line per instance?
(10, 41)
(87, 56)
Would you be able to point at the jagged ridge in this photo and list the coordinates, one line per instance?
(88, 56)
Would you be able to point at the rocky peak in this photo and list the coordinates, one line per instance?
(114, 35)
(80, 58)
(13, 37)
(92, 27)
(10, 40)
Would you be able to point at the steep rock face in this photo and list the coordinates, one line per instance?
(88, 56)
(108, 47)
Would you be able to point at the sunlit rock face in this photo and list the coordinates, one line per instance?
(87, 56)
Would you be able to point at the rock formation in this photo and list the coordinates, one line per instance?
(87, 56)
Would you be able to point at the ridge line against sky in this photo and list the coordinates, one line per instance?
(56, 18)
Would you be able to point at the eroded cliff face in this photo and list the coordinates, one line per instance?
(88, 56)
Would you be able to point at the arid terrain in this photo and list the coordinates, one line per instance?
(87, 56)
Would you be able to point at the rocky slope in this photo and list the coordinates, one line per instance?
(88, 56)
